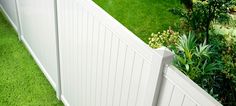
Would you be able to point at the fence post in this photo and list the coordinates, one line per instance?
(58, 91)
(162, 57)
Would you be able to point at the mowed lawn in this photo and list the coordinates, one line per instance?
(142, 17)
(21, 81)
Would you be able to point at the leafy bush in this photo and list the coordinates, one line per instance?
(211, 67)
(224, 86)
(192, 59)
(199, 14)
(225, 79)
(167, 38)
(211, 63)
(225, 44)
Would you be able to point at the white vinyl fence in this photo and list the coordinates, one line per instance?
(101, 62)
(178, 90)
(37, 31)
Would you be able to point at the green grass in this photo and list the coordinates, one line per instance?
(142, 17)
(21, 81)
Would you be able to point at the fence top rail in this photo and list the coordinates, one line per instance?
(189, 87)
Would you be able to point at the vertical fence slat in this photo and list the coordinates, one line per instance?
(84, 73)
(112, 70)
(143, 83)
(79, 51)
(71, 47)
(94, 62)
(66, 57)
(106, 64)
(86, 35)
(165, 95)
(74, 53)
(119, 74)
(177, 97)
(100, 64)
(134, 82)
(89, 57)
(127, 75)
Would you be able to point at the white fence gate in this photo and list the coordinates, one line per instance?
(101, 62)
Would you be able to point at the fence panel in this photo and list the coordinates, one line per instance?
(37, 20)
(102, 63)
(179, 90)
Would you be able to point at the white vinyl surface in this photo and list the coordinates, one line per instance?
(102, 63)
(38, 34)
(178, 90)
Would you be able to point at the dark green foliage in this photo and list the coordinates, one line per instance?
(225, 49)
(225, 88)
(220, 80)
(202, 14)
(21, 81)
(188, 4)
(225, 80)
(211, 67)
(193, 59)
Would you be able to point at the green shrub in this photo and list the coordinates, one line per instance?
(167, 38)
(200, 63)
(224, 86)
(193, 59)
(199, 15)
(225, 46)
(225, 52)
(211, 67)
